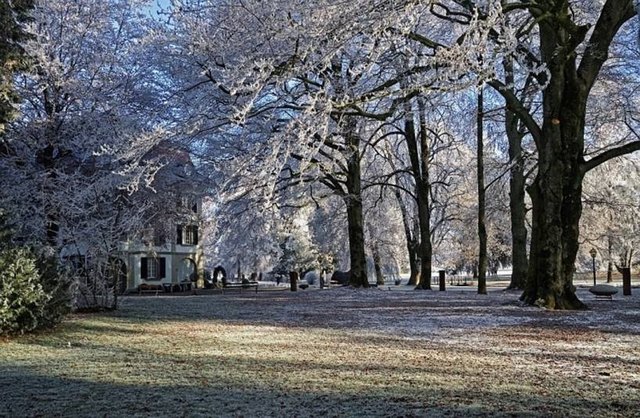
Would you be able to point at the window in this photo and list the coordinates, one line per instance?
(188, 234)
(152, 268)
(188, 203)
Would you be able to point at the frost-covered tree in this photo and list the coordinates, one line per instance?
(302, 81)
(13, 16)
(293, 75)
(566, 44)
(79, 151)
(610, 221)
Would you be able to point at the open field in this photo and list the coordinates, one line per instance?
(338, 352)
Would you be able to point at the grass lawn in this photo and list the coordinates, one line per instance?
(338, 352)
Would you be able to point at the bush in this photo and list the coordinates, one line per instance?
(56, 284)
(29, 298)
(22, 297)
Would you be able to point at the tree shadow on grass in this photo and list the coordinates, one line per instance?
(397, 312)
(26, 393)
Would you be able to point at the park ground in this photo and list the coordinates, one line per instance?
(389, 352)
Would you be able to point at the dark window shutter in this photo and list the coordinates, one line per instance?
(195, 235)
(179, 229)
(162, 267)
(143, 267)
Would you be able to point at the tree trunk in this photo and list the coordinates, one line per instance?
(556, 192)
(411, 242)
(556, 197)
(517, 206)
(482, 228)
(45, 157)
(353, 201)
(293, 280)
(419, 168)
(424, 201)
(377, 264)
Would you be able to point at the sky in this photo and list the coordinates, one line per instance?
(157, 5)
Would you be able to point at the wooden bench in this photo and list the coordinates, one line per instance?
(241, 286)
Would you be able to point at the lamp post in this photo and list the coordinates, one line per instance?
(593, 253)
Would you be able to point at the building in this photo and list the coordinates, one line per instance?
(160, 250)
(169, 253)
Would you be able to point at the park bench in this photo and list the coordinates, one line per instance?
(182, 286)
(603, 291)
(150, 288)
(241, 286)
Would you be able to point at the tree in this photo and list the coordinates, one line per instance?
(482, 208)
(556, 191)
(13, 17)
(515, 132)
(80, 151)
(565, 53)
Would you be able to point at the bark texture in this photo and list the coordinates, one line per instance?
(353, 201)
(556, 192)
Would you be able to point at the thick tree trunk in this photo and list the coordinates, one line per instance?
(556, 193)
(482, 228)
(556, 197)
(517, 206)
(353, 201)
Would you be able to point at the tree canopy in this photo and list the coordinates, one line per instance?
(351, 130)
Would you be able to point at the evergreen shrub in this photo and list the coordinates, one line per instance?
(32, 293)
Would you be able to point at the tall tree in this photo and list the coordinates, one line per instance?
(566, 53)
(556, 192)
(482, 192)
(13, 16)
(81, 149)
(517, 182)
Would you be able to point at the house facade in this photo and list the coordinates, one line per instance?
(175, 264)
(162, 247)
(169, 251)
